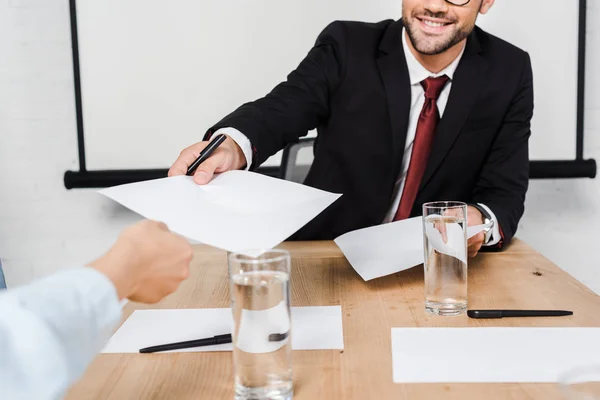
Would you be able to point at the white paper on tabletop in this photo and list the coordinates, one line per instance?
(389, 248)
(472, 355)
(237, 211)
(313, 328)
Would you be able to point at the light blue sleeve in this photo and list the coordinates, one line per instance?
(2, 281)
(51, 329)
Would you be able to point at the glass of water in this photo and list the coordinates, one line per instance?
(581, 383)
(260, 302)
(445, 245)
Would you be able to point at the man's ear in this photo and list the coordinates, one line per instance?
(485, 6)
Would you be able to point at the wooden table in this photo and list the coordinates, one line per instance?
(518, 277)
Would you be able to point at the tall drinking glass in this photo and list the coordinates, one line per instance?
(445, 245)
(260, 301)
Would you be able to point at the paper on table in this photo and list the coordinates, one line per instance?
(237, 211)
(388, 248)
(313, 328)
(470, 355)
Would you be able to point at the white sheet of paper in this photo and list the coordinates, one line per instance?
(237, 211)
(384, 249)
(388, 248)
(472, 355)
(313, 328)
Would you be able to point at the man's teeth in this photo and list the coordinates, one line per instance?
(434, 24)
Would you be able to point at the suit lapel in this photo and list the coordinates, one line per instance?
(394, 74)
(466, 84)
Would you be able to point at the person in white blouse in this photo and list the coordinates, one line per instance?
(52, 328)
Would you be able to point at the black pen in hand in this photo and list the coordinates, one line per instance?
(206, 152)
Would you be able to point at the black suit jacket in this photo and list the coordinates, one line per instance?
(353, 86)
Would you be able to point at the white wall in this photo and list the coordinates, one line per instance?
(44, 227)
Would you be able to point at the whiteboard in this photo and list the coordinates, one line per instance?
(549, 31)
(156, 74)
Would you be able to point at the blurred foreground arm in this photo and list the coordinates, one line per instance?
(51, 329)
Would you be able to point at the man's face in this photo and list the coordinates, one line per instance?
(434, 26)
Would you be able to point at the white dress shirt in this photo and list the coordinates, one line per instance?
(51, 329)
(417, 73)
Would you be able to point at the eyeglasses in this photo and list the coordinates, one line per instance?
(458, 2)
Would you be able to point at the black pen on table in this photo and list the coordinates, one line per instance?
(206, 152)
(517, 313)
(218, 339)
(211, 341)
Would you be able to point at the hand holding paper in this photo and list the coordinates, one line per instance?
(451, 243)
(475, 229)
(227, 157)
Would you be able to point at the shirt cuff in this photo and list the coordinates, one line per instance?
(495, 236)
(241, 140)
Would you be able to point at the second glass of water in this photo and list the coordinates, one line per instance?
(445, 245)
(260, 302)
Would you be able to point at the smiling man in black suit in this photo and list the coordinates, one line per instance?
(426, 108)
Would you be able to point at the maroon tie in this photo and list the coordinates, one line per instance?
(428, 121)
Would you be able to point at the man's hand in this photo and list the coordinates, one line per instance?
(228, 156)
(474, 217)
(147, 262)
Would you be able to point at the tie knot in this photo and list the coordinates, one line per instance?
(433, 86)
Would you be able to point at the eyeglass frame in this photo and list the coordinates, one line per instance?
(458, 5)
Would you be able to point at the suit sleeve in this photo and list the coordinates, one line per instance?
(295, 106)
(504, 177)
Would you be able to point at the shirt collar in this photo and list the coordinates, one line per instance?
(418, 72)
